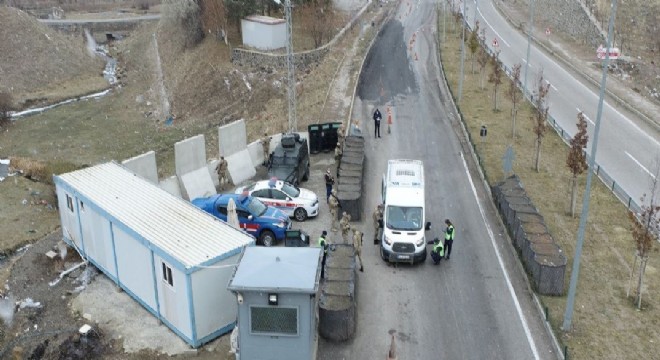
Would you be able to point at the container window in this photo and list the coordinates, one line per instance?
(69, 202)
(167, 274)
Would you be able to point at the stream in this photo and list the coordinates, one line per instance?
(109, 74)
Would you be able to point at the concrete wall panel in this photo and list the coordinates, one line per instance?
(197, 183)
(241, 167)
(189, 155)
(144, 166)
(171, 185)
(232, 138)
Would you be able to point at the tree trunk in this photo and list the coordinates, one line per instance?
(642, 268)
(481, 79)
(514, 111)
(538, 154)
(573, 194)
(495, 98)
(632, 273)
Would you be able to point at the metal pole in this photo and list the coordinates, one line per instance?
(460, 80)
(568, 315)
(291, 69)
(444, 16)
(529, 43)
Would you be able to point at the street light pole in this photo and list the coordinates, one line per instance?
(529, 42)
(460, 80)
(568, 314)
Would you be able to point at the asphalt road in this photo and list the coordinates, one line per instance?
(628, 148)
(474, 306)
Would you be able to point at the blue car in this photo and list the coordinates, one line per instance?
(266, 223)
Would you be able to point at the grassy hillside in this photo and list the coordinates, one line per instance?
(39, 64)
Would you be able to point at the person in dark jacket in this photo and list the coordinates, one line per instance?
(377, 118)
(329, 181)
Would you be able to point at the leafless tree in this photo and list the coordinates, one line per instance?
(214, 18)
(495, 76)
(482, 59)
(515, 95)
(183, 18)
(540, 115)
(316, 20)
(645, 230)
(473, 43)
(6, 106)
(577, 158)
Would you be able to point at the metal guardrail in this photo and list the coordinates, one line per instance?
(604, 177)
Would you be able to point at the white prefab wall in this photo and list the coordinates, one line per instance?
(214, 298)
(68, 217)
(134, 265)
(173, 300)
(97, 237)
(263, 32)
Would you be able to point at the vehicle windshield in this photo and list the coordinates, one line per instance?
(404, 218)
(256, 207)
(290, 190)
(284, 160)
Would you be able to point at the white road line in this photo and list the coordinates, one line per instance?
(585, 116)
(525, 61)
(492, 28)
(552, 86)
(640, 165)
(521, 315)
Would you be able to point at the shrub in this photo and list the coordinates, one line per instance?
(6, 106)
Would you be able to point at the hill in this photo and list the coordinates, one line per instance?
(40, 65)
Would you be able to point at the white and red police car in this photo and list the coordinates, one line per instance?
(296, 202)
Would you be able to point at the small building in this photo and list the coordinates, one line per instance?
(263, 32)
(170, 256)
(277, 302)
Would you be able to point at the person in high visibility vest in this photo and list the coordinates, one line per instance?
(449, 237)
(438, 251)
(324, 245)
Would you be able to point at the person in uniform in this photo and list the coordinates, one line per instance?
(329, 181)
(345, 224)
(338, 152)
(265, 144)
(438, 251)
(377, 118)
(323, 244)
(449, 237)
(357, 244)
(378, 219)
(333, 203)
(221, 169)
(340, 134)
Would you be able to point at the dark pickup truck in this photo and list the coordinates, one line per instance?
(290, 160)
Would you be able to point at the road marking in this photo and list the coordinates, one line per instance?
(552, 86)
(492, 28)
(640, 165)
(585, 116)
(530, 339)
(525, 61)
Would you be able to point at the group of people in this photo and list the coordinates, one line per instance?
(442, 250)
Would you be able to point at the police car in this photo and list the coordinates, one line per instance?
(296, 202)
(264, 222)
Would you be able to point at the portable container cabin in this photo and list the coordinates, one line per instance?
(263, 32)
(276, 290)
(170, 256)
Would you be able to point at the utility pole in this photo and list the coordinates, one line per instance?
(568, 314)
(293, 126)
(460, 80)
(529, 42)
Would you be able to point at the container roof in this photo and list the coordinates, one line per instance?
(185, 232)
(284, 269)
(264, 19)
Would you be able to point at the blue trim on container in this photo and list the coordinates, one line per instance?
(114, 252)
(191, 307)
(217, 258)
(149, 245)
(80, 231)
(155, 278)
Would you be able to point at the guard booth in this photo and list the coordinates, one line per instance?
(277, 289)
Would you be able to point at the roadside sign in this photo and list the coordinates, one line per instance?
(495, 43)
(601, 52)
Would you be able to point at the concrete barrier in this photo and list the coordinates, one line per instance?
(143, 166)
(232, 144)
(350, 176)
(337, 304)
(197, 184)
(171, 185)
(189, 154)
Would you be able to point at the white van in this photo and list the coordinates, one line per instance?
(403, 238)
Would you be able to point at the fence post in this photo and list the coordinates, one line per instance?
(629, 200)
(613, 185)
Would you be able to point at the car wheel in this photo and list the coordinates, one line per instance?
(267, 238)
(423, 259)
(300, 214)
(306, 175)
(382, 255)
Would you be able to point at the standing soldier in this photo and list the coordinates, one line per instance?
(221, 168)
(323, 244)
(333, 203)
(338, 152)
(345, 224)
(265, 143)
(340, 134)
(449, 237)
(329, 181)
(378, 219)
(357, 244)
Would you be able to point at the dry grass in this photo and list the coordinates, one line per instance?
(603, 313)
